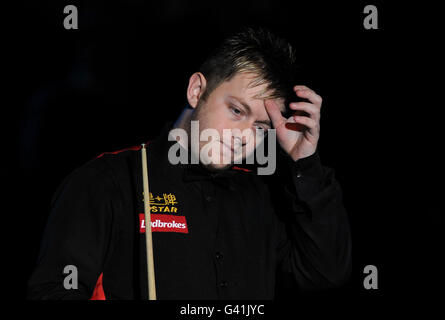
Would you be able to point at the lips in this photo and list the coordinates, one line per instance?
(236, 150)
(228, 147)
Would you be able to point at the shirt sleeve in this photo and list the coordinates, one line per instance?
(313, 234)
(78, 234)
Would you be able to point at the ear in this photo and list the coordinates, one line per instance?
(196, 88)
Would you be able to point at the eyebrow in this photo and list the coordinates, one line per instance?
(249, 110)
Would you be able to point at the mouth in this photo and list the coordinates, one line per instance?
(234, 151)
(227, 147)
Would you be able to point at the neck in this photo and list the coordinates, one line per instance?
(184, 120)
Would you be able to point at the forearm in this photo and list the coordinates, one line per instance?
(320, 250)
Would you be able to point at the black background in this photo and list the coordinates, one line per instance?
(115, 81)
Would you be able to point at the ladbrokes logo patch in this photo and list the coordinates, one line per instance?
(163, 208)
(164, 223)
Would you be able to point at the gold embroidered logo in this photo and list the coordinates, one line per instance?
(165, 203)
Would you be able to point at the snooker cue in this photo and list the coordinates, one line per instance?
(148, 235)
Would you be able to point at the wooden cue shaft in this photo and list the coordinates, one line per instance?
(148, 236)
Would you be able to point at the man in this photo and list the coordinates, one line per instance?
(220, 231)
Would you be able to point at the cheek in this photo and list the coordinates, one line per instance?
(253, 143)
(250, 146)
(213, 113)
(219, 118)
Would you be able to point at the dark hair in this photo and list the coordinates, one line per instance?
(254, 50)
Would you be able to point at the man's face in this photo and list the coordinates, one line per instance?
(236, 106)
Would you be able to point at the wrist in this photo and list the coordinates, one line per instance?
(309, 166)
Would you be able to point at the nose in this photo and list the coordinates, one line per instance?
(238, 141)
(242, 136)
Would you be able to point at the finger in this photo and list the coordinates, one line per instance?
(310, 108)
(301, 87)
(310, 123)
(310, 95)
(274, 112)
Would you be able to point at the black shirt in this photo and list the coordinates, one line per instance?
(223, 235)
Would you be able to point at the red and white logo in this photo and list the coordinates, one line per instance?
(164, 223)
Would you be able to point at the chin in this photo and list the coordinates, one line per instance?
(217, 167)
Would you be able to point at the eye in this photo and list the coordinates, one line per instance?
(236, 111)
(263, 129)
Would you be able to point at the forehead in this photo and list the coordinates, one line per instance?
(243, 86)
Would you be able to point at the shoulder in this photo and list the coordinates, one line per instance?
(101, 172)
(117, 162)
